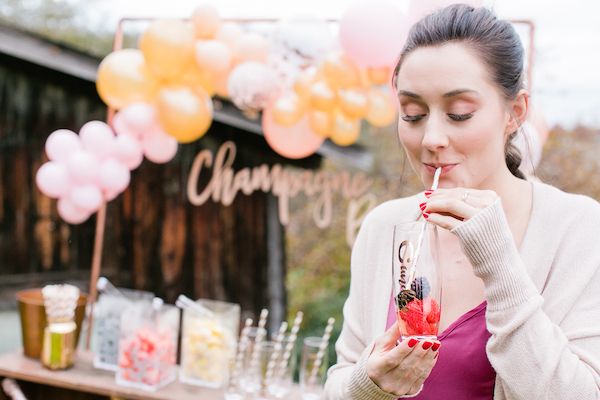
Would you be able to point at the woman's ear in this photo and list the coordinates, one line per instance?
(518, 111)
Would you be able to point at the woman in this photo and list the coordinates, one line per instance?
(520, 307)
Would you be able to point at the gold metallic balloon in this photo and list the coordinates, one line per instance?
(345, 130)
(288, 109)
(322, 96)
(340, 72)
(353, 102)
(195, 78)
(321, 122)
(382, 110)
(184, 113)
(124, 78)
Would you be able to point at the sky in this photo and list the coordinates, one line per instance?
(566, 75)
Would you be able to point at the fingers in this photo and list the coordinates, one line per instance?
(389, 338)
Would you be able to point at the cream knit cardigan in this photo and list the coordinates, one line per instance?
(543, 299)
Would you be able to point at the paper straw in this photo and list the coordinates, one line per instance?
(289, 346)
(436, 180)
(276, 351)
(260, 335)
(239, 357)
(186, 303)
(321, 352)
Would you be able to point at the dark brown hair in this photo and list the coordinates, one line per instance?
(494, 40)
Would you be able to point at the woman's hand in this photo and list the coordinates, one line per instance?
(401, 369)
(447, 208)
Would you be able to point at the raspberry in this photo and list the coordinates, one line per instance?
(413, 316)
(421, 287)
(433, 310)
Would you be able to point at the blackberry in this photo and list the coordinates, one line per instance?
(405, 297)
(421, 287)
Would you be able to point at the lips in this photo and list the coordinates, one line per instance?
(433, 166)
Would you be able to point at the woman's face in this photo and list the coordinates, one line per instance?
(452, 115)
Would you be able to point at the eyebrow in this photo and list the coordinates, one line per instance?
(446, 95)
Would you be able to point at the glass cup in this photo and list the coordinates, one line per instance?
(312, 376)
(417, 283)
(254, 363)
(281, 381)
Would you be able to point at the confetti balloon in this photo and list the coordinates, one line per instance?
(251, 86)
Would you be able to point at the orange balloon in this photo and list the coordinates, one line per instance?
(213, 56)
(353, 102)
(184, 113)
(379, 75)
(124, 78)
(322, 96)
(321, 122)
(168, 46)
(304, 81)
(340, 72)
(206, 21)
(251, 46)
(287, 109)
(345, 130)
(382, 109)
(195, 78)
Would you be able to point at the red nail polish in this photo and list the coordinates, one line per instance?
(425, 215)
(426, 345)
(428, 193)
(435, 346)
(412, 342)
(422, 206)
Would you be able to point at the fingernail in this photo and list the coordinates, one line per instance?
(422, 206)
(426, 345)
(425, 215)
(435, 346)
(428, 193)
(436, 355)
(412, 342)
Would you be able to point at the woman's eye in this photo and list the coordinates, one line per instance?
(413, 118)
(460, 117)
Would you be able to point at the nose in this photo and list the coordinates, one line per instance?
(434, 137)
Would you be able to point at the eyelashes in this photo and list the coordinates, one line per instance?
(453, 117)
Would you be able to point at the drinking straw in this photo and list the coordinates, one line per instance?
(291, 342)
(276, 351)
(239, 357)
(186, 303)
(436, 179)
(260, 335)
(105, 286)
(321, 352)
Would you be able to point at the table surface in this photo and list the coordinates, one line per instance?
(83, 377)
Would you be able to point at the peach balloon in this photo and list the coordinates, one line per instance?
(213, 56)
(345, 130)
(251, 46)
(322, 96)
(194, 77)
(340, 71)
(168, 47)
(321, 122)
(206, 21)
(229, 33)
(353, 102)
(124, 78)
(382, 109)
(379, 75)
(184, 113)
(296, 141)
(288, 109)
(304, 82)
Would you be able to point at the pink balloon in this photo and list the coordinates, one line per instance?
(83, 167)
(97, 138)
(296, 141)
(135, 120)
(110, 195)
(128, 150)
(86, 197)
(61, 144)
(373, 33)
(53, 179)
(159, 147)
(70, 212)
(114, 176)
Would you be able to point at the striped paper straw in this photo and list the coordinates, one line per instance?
(289, 346)
(239, 357)
(260, 335)
(276, 351)
(321, 352)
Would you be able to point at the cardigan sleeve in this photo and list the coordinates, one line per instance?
(534, 357)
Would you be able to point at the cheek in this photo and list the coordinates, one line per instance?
(410, 140)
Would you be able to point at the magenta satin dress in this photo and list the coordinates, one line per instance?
(463, 370)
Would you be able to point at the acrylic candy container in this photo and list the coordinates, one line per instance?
(208, 343)
(148, 346)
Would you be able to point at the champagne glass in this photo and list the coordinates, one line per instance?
(417, 284)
